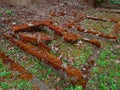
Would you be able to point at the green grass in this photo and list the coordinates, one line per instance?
(106, 75)
(0, 14)
(4, 72)
(71, 51)
(101, 26)
(95, 70)
(74, 88)
(4, 85)
(10, 83)
(9, 12)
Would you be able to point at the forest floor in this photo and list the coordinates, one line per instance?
(104, 74)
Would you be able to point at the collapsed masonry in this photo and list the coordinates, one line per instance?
(32, 39)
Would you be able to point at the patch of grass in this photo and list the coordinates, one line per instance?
(71, 51)
(9, 12)
(95, 69)
(1, 65)
(19, 84)
(74, 88)
(1, 14)
(24, 85)
(98, 25)
(9, 52)
(107, 73)
(5, 73)
(105, 58)
(4, 85)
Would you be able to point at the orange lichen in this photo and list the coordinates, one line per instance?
(100, 34)
(28, 38)
(115, 21)
(32, 39)
(116, 29)
(69, 25)
(62, 13)
(81, 17)
(53, 13)
(57, 30)
(79, 28)
(32, 26)
(107, 36)
(70, 37)
(16, 28)
(93, 41)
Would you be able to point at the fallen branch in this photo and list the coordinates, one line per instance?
(31, 26)
(97, 33)
(101, 19)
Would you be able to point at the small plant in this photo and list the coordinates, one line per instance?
(74, 88)
(1, 65)
(4, 85)
(11, 52)
(9, 12)
(103, 86)
(5, 73)
(113, 85)
(95, 69)
(24, 85)
(0, 14)
(98, 2)
(103, 63)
